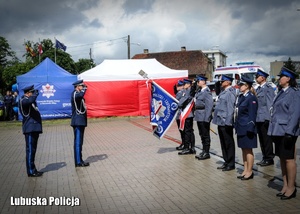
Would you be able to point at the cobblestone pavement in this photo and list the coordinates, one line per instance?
(131, 171)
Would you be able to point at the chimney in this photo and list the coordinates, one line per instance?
(183, 48)
(146, 51)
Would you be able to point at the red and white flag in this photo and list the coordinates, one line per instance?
(40, 49)
(185, 113)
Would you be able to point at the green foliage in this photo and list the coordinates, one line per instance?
(290, 65)
(84, 65)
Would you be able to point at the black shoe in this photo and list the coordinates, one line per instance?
(184, 152)
(36, 174)
(279, 194)
(259, 163)
(83, 164)
(248, 178)
(204, 156)
(193, 151)
(200, 155)
(223, 166)
(293, 195)
(267, 163)
(181, 147)
(228, 168)
(240, 176)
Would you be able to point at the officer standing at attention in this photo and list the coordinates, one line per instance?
(78, 121)
(31, 127)
(245, 125)
(178, 90)
(203, 110)
(189, 136)
(284, 130)
(223, 118)
(265, 96)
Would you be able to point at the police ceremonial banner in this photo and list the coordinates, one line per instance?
(163, 110)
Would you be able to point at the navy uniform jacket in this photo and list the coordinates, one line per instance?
(79, 113)
(224, 109)
(178, 97)
(203, 105)
(265, 96)
(184, 100)
(32, 121)
(246, 114)
(285, 113)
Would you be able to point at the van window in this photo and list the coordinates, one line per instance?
(249, 75)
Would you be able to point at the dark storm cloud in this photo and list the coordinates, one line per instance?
(133, 6)
(43, 17)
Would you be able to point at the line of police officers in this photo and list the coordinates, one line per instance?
(274, 118)
(32, 124)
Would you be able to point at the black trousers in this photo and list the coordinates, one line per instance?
(78, 142)
(31, 145)
(204, 133)
(227, 144)
(189, 137)
(181, 132)
(265, 141)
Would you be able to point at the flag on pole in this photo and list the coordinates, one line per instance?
(40, 49)
(163, 110)
(60, 45)
(30, 50)
(185, 113)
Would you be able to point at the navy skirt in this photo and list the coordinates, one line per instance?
(247, 142)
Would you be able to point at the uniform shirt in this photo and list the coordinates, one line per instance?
(224, 110)
(203, 105)
(178, 97)
(32, 121)
(79, 112)
(184, 101)
(246, 114)
(285, 113)
(265, 96)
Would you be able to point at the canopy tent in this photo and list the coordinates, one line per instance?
(116, 89)
(55, 88)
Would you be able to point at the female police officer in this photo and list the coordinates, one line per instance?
(284, 129)
(245, 125)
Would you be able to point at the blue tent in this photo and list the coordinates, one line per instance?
(55, 88)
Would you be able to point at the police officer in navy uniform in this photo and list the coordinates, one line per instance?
(284, 129)
(178, 90)
(189, 136)
(203, 115)
(265, 96)
(245, 125)
(31, 127)
(78, 121)
(223, 118)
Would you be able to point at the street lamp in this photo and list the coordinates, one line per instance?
(128, 46)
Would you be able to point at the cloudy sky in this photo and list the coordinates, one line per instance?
(257, 30)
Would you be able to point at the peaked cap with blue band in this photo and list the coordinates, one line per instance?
(261, 73)
(187, 81)
(78, 82)
(180, 83)
(226, 78)
(28, 88)
(200, 77)
(245, 80)
(287, 72)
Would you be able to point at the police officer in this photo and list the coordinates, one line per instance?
(178, 90)
(189, 137)
(223, 118)
(265, 96)
(31, 127)
(245, 125)
(203, 110)
(284, 129)
(78, 121)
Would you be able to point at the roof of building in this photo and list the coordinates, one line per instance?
(195, 61)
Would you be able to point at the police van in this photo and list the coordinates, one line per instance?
(241, 69)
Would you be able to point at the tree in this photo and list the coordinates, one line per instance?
(7, 58)
(84, 65)
(290, 65)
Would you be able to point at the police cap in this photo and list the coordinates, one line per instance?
(200, 77)
(261, 73)
(180, 83)
(226, 78)
(245, 80)
(287, 72)
(28, 88)
(187, 81)
(78, 82)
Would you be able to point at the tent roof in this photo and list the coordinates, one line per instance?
(46, 71)
(128, 69)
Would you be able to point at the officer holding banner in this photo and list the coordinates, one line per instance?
(223, 118)
(203, 110)
(31, 126)
(78, 121)
(186, 104)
